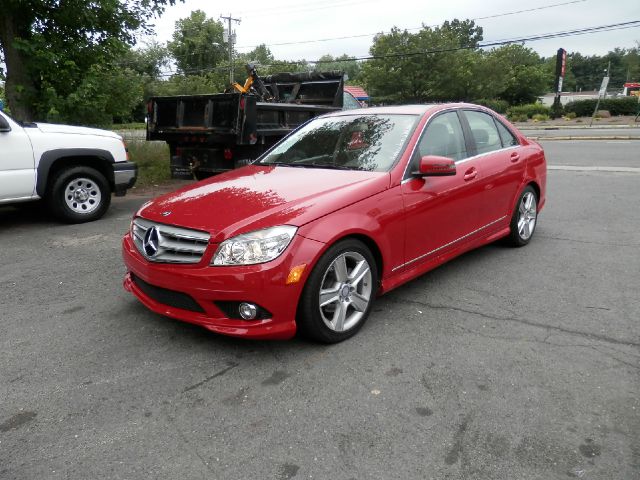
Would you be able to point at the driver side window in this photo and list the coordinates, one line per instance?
(443, 137)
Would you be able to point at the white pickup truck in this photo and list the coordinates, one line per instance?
(73, 169)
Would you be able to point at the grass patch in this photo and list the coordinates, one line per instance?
(152, 159)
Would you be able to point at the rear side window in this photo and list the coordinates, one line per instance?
(484, 131)
(508, 138)
(443, 137)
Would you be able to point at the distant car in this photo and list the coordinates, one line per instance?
(349, 206)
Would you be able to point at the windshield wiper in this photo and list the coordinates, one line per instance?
(330, 166)
(281, 164)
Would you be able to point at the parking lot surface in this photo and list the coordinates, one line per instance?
(504, 363)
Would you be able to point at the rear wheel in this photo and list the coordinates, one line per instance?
(524, 218)
(339, 293)
(79, 194)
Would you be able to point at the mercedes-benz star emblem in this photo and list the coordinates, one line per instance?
(151, 242)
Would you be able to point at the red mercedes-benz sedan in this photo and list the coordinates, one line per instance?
(347, 207)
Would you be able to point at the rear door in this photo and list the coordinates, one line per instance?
(499, 165)
(17, 167)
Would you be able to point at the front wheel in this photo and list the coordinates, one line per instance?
(339, 293)
(79, 194)
(524, 218)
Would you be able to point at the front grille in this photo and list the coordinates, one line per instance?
(175, 244)
(167, 297)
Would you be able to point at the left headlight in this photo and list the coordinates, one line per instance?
(255, 247)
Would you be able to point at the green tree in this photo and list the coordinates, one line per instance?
(260, 56)
(148, 61)
(209, 82)
(49, 44)
(431, 65)
(197, 44)
(631, 62)
(343, 63)
(525, 75)
(105, 94)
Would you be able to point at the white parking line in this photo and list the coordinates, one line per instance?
(575, 168)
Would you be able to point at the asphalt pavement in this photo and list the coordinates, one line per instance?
(502, 364)
(595, 132)
(591, 153)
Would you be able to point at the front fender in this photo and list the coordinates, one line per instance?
(49, 157)
(379, 219)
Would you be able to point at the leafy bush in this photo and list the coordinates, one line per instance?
(570, 116)
(494, 104)
(529, 110)
(517, 117)
(615, 106)
(540, 117)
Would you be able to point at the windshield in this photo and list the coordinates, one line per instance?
(355, 142)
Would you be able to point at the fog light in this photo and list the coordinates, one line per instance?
(248, 311)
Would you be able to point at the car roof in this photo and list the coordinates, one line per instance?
(401, 109)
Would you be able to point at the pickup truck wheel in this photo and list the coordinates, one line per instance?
(79, 194)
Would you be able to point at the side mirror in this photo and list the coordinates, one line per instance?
(436, 166)
(4, 125)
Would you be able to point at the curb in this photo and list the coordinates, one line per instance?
(623, 126)
(612, 137)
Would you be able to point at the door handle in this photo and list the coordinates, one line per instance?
(515, 156)
(470, 174)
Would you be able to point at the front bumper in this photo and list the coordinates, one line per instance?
(263, 284)
(125, 175)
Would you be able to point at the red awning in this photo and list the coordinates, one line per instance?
(357, 92)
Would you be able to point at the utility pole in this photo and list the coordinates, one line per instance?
(602, 93)
(608, 76)
(230, 38)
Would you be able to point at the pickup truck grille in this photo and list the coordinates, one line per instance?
(173, 244)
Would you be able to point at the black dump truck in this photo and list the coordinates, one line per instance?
(213, 133)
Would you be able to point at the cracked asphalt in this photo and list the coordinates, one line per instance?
(502, 364)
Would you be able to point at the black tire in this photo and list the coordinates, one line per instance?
(60, 195)
(312, 320)
(517, 237)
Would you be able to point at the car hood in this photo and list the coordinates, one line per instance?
(256, 197)
(69, 129)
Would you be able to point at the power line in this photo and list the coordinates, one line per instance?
(301, 42)
(497, 15)
(495, 43)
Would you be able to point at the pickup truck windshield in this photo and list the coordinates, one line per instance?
(355, 142)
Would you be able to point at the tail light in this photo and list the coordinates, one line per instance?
(228, 154)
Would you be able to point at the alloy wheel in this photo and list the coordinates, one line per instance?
(527, 215)
(345, 291)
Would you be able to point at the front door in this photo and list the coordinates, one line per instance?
(17, 169)
(441, 212)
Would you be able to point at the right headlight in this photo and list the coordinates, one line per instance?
(255, 247)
